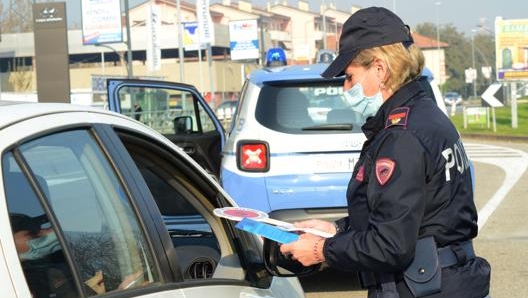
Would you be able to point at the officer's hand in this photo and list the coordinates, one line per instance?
(307, 250)
(317, 224)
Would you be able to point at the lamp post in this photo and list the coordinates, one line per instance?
(180, 40)
(474, 71)
(437, 4)
(128, 42)
(119, 55)
(324, 24)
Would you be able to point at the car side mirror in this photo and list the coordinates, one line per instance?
(183, 124)
(280, 265)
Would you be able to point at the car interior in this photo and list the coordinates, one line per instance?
(204, 248)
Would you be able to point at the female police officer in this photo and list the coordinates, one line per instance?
(410, 199)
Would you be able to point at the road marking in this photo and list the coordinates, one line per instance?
(514, 163)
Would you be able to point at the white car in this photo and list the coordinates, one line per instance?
(452, 98)
(226, 110)
(93, 202)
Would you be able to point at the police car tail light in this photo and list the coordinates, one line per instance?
(253, 156)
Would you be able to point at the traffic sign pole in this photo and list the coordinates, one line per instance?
(489, 97)
(514, 104)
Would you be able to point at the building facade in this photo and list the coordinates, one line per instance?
(301, 32)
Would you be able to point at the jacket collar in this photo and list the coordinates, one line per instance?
(402, 97)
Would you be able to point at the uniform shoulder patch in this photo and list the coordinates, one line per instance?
(360, 174)
(384, 169)
(398, 116)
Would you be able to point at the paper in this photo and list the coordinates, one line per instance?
(265, 230)
(239, 213)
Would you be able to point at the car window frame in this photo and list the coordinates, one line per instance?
(46, 205)
(203, 146)
(242, 244)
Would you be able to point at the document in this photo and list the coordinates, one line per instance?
(266, 230)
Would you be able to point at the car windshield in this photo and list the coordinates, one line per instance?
(306, 107)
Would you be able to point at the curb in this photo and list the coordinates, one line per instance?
(495, 137)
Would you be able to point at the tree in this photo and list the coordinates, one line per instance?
(17, 17)
(459, 56)
(484, 45)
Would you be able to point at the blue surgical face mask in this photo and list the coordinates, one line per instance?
(41, 247)
(364, 105)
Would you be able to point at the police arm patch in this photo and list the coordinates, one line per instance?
(360, 174)
(398, 116)
(384, 170)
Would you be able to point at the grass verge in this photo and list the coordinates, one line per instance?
(503, 122)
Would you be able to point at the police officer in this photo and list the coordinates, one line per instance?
(410, 200)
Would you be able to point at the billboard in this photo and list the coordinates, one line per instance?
(511, 46)
(243, 39)
(191, 37)
(153, 44)
(101, 21)
(51, 52)
(205, 23)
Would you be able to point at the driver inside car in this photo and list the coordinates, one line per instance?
(40, 254)
(45, 268)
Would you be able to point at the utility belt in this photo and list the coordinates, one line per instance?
(457, 254)
(424, 275)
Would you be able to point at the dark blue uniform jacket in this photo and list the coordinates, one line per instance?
(412, 180)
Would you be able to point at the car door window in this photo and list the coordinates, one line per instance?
(160, 108)
(79, 200)
(178, 111)
(203, 244)
(197, 247)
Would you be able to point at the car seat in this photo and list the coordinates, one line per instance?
(292, 109)
(343, 116)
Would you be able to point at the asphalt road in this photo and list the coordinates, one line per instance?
(501, 182)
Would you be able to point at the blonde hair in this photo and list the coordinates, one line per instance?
(403, 64)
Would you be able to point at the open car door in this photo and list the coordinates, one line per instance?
(176, 110)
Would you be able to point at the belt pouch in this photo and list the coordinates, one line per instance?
(424, 275)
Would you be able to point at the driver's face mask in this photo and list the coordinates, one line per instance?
(41, 247)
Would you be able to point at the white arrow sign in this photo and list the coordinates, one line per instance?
(489, 96)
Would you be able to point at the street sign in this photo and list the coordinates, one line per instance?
(471, 75)
(477, 115)
(489, 95)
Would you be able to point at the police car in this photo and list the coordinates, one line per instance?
(291, 146)
(93, 202)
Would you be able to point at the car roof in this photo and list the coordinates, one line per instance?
(289, 73)
(300, 72)
(16, 111)
(12, 113)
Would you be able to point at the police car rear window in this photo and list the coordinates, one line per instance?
(305, 108)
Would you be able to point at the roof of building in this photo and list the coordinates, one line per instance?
(424, 42)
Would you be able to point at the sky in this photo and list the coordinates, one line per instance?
(465, 15)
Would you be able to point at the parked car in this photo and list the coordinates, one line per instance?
(291, 147)
(451, 98)
(110, 205)
(225, 111)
